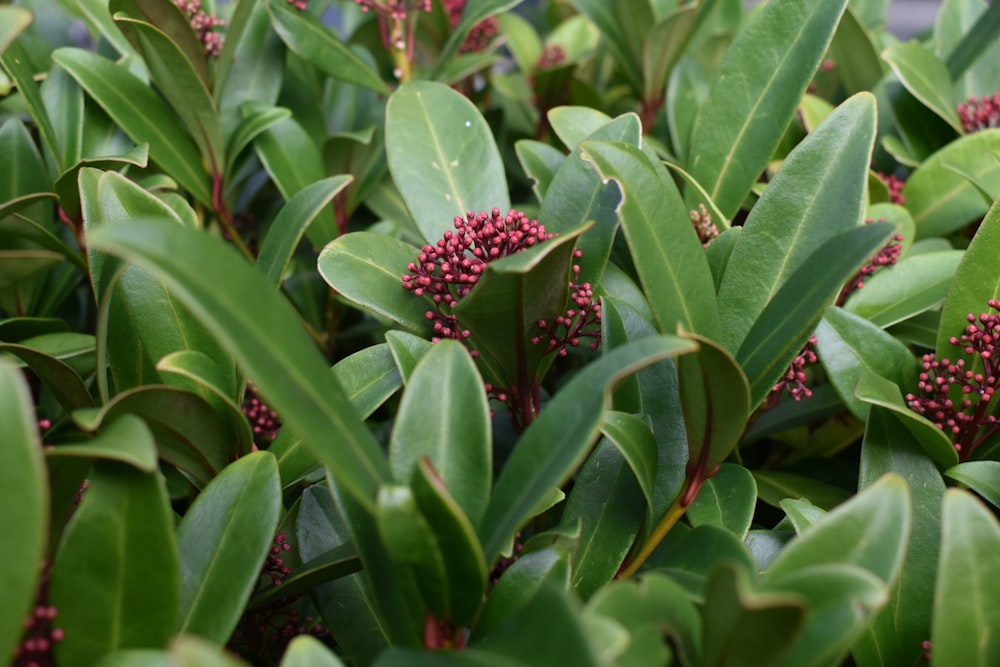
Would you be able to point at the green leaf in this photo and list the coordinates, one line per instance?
(715, 399)
(967, 597)
(141, 114)
(664, 45)
(625, 44)
(634, 439)
(126, 439)
(665, 248)
(24, 503)
(180, 83)
(221, 289)
(67, 186)
(115, 576)
(456, 442)
(853, 48)
(941, 200)
(474, 12)
(791, 316)
(13, 21)
(914, 285)
(841, 599)
(773, 486)
(925, 77)
(169, 19)
(512, 296)
(975, 43)
(726, 500)
(294, 163)
(307, 651)
(407, 350)
(442, 157)
(935, 443)
(562, 434)
(307, 37)
(604, 509)
(850, 347)
(58, 376)
(574, 124)
(224, 538)
(818, 193)
(976, 282)
(24, 160)
(801, 513)
(337, 563)
(291, 223)
(869, 530)
(257, 120)
(983, 477)
(519, 583)
(768, 66)
(193, 651)
(895, 635)
(367, 269)
(540, 163)
(655, 603)
(745, 628)
(688, 556)
(17, 63)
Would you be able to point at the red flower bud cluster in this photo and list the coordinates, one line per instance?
(263, 420)
(887, 256)
(553, 55)
(205, 25)
(895, 185)
(581, 320)
(395, 9)
(794, 380)
(480, 35)
(448, 270)
(963, 414)
(980, 113)
(40, 633)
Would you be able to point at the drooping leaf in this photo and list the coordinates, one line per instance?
(925, 77)
(120, 597)
(13, 20)
(983, 477)
(24, 504)
(64, 382)
(223, 539)
(126, 439)
(442, 157)
(726, 500)
(768, 66)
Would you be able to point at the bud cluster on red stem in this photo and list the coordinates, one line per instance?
(980, 113)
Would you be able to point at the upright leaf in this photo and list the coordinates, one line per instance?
(442, 157)
(23, 506)
(115, 576)
(818, 193)
(754, 95)
(224, 538)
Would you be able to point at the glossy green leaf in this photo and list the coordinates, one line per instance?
(983, 477)
(367, 269)
(562, 434)
(442, 157)
(67, 185)
(257, 119)
(526, 639)
(224, 538)
(17, 63)
(768, 66)
(306, 36)
(574, 124)
(942, 201)
(818, 193)
(912, 286)
(936, 444)
(605, 505)
(221, 289)
(13, 21)
(519, 583)
(331, 565)
(634, 439)
(540, 162)
(895, 635)
(512, 296)
(24, 160)
(850, 346)
(689, 555)
(976, 43)
(742, 627)
(126, 439)
(407, 350)
(976, 282)
(773, 486)
(180, 83)
(141, 114)
(307, 651)
(727, 500)
(120, 597)
(291, 223)
(665, 248)
(169, 19)
(456, 442)
(578, 195)
(24, 504)
(841, 599)
(966, 613)
(294, 162)
(57, 375)
(715, 399)
(791, 316)
(925, 77)
(653, 603)
(801, 513)
(869, 530)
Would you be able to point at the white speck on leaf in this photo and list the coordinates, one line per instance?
(436, 166)
(468, 123)
(447, 197)
(454, 163)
